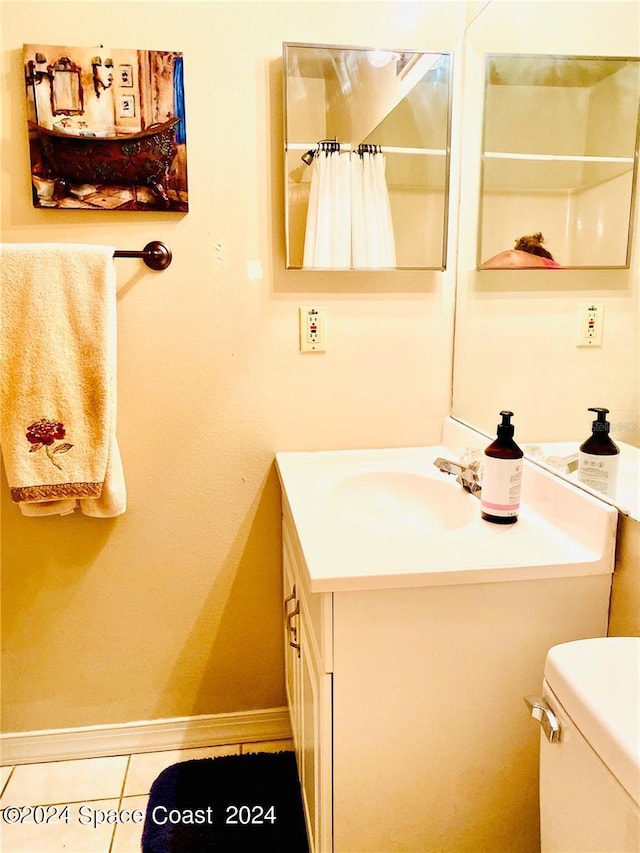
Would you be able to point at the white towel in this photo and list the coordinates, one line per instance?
(58, 386)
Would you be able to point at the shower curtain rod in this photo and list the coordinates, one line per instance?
(386, 149)
(155, 255)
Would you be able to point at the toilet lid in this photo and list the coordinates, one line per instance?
(597, 681)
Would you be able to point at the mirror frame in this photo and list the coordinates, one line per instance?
(287, 147)
(489, 57)
(64, 65)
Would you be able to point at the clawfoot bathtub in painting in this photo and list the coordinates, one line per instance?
(142, 158)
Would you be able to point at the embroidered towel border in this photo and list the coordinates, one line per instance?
(56, 490)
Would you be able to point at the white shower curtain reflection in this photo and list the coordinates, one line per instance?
(372, 242)
(327, 241)
(349, 216)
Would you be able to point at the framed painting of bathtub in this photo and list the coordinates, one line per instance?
(106, 128)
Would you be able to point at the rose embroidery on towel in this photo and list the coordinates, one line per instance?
(44, 433)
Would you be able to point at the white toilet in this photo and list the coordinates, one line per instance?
(590, 747)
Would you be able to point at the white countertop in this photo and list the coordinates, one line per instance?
(348, 543)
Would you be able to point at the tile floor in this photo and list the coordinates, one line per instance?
(94, 789)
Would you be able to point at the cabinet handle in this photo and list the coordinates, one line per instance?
(292, 629)
(295, 611)
(290, 597)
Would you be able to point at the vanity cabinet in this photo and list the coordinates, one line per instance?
(407, 708)
(308, 667)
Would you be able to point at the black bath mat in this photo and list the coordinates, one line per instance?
(227, 804)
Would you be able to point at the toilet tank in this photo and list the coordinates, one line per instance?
(590, 776)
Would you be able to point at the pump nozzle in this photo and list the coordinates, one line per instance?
(600, 424)
(506, 427)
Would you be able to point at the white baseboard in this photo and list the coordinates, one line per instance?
(144, 736)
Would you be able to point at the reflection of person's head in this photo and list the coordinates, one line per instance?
(532, 243)
(528, 253)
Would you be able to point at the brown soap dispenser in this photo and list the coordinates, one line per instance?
(598, 457)
(502, 476)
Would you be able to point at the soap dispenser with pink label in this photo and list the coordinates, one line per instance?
(502, 476)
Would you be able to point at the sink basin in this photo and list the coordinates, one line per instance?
(401, 501)
(385, 518)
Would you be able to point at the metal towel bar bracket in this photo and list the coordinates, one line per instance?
(155, 255)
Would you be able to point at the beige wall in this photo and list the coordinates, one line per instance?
(624, 613)
(174, 608)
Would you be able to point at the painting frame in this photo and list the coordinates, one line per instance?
(121, 144)
(125, 76)
(127, 106)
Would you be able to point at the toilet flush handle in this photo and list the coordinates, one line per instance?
(542, 712)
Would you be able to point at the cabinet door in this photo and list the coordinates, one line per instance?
(314, 754)
(308, 689)
(291, 618)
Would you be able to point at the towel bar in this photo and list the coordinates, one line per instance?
(155, 255)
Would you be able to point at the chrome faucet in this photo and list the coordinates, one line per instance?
(466, 475)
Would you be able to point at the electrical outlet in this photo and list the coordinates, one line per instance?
(313, 329)
(591, 317)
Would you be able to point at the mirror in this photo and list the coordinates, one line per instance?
(519, 334)
(558, 160)
(379, 122)
(66, 88)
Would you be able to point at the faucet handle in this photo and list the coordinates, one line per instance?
(472, 459)
(464, 474)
